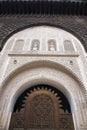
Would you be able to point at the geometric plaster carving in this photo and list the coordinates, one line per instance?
(22, 68)
(51, 45)
(41, 75)
(35, 45)
(68, 45)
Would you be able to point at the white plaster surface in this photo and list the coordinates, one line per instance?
(21, 68)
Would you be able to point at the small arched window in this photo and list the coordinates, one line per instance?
(52, 45)
(68, 45)
(35, 45)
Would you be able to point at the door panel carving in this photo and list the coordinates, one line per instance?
(42, 109)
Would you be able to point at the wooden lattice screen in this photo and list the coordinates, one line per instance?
(42, 110)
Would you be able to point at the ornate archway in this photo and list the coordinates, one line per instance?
(42, 107)
(33, 58)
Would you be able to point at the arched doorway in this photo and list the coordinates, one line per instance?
(42, 107)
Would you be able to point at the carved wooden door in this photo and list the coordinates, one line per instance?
(41, 111)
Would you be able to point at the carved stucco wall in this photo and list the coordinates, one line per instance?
(64, 70)
(10, 24)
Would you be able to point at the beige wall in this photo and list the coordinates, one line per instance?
(46, 55)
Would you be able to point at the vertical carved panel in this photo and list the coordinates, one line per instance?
(41, 112)
(65, 122)
(68, 45)
(52, 45)
(18, 46)
(35, 45)
(17, 121)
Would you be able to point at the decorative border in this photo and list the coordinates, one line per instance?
(11, 24)
(43, 7)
